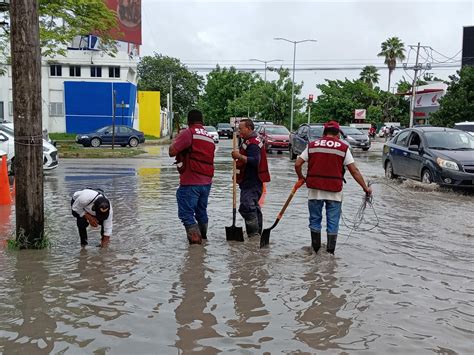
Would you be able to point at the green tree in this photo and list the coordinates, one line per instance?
(370, 75)
(269, 100)
(61, 21)
(155, 73)
(458, 103)
(393, 50)
(224, 85)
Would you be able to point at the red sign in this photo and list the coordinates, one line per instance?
(310, 99)
(129, 18)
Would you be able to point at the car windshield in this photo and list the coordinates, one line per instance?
(223, 125)
(210, 128)
(450, 140)
(277, 130)
(350, 130)
(316, 132)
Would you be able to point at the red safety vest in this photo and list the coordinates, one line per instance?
(326, 164)
(199, 157)
(263, 173)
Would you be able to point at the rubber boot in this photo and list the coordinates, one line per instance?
(203, 230)
(82, 227)
(316, 240)
(332, 238)
(193, 233)
(252, 228)
(260, 221)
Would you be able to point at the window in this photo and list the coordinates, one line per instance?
(55, 70)
(124, 130)
(74, 70)
(415, 139)
(114, 72)
(96, 72)
(402, 138)
(56, 109)
(1, 111)
(10, 108)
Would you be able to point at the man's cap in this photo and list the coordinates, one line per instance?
(332, 124)
(101, 208)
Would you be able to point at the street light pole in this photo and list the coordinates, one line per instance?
(293, 80)
(265, 62)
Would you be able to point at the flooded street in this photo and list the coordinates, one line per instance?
(406, 286)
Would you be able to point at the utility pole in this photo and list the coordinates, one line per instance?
(265, 63)
(413, 87)
(114, 99)
(26, 79)
(310, 103)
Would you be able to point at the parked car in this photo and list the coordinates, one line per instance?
(7, 144)
(211, 130)
(124, 136)
(224, 130)
(274, 137)
(465, 126)
(355, 137)
(431, 154)
(305, 134)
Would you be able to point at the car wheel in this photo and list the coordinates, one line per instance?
(293, 156)
(133, 142)
(95, 142)
(426, 177)
(389, 171)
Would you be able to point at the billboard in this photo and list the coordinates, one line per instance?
(360, 114)
(468, 46)
(129, 18)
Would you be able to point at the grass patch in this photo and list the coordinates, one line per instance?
(73, 150)
(23, 243)
(62, 136)
(147, 136)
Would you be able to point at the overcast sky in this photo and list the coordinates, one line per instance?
(349, 33)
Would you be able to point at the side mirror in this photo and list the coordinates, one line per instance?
(106, 132)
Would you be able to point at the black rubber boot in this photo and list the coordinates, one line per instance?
(82, 227)
(260, 221)
(332, 238)
(252, 228)
(316, 240)
(194, 234)
(203, 230)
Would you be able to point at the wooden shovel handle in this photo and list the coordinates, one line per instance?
(295, 188)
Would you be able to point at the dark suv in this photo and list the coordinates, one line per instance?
(431, 154)
(224, 130)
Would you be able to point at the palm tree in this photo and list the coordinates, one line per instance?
(369, 75)
(393, 49)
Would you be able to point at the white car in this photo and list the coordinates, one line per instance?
(212, 131)
(465, 126)
(7, 143)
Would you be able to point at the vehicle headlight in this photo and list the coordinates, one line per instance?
(84, 137)
(350, 139)
(447, 164)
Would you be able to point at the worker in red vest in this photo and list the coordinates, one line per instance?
(327, 158)
(252, 172)
(194, 152)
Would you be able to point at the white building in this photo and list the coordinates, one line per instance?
(78, 65)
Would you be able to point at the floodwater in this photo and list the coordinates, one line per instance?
(405, 286)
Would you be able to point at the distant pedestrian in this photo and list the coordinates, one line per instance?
(92, 207)
(327, 158)
(253, 171)
(194, 151)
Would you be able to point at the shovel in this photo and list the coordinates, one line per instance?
(265, 238)
(233, 232)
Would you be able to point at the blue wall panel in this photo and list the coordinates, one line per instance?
(89, 105)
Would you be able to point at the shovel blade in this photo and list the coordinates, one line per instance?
(265, 238)
(234, 233)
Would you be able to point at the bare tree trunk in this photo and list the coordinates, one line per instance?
(28, 164)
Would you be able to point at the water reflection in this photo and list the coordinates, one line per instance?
(321, 326)
(195, 321)
(35, 329)
(248, 276)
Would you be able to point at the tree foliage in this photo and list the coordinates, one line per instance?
(370, 75)
(458, 103)
(154, 74)
(62, 20)
(224, 85)
(339, 99)
(393, 50)
(269, 100)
